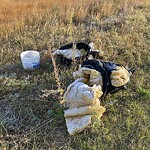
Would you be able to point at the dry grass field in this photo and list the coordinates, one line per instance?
(14, 10)
(31, 114)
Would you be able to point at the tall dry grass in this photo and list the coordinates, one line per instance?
(12, 11)
(15, 15)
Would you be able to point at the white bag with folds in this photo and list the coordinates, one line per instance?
(93, 76)
(83, 104)
(120, 76)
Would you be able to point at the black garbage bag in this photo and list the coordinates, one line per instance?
(75, 51)
(107, 70)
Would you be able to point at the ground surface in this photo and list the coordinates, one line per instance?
(31, 116)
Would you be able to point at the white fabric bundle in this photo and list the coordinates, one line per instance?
(80, 94)
(78, 124)
(119, 77)
(83, 104)
(70, 53)
(93, 76)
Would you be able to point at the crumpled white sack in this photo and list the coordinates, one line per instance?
(81, 111)
(77, 119)
(77, 124)
(93, 76)
(80, 94)
(119, 77)
(70, 53)
(83, 104)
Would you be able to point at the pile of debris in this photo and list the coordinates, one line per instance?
(94, 80)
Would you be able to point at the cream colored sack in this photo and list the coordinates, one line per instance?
(79, 94)
(77, 119)
(70, 53)
(87, 110)
(93, 76)
(119, 77)
(84, 105)
(77, 124)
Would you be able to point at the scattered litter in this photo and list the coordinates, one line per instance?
(93, 81)
(114, 76)
(76, 51)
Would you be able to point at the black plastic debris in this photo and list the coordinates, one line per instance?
(105, 68)
(75, 52)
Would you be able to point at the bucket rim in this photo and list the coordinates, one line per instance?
(28, 51)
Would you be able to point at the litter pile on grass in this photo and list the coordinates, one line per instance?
(31, 116)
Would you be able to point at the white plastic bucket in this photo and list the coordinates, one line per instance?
(30, 59)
